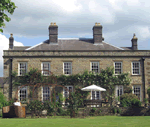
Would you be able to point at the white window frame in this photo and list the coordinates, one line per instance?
(91, 66)
(19, 67)
(49, 92)
(64, 68)
(132, 67)
(140, 90)
(95, 95)
(42, 67)
(117, 87)
(25, 87)
(115, 68)
(67, 92)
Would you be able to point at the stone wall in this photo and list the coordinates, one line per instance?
(80, 62)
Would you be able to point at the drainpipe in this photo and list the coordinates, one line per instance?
(143, 59)
(10, 75)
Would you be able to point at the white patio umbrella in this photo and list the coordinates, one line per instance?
(93, 88)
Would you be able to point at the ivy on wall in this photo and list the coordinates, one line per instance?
(105, 79)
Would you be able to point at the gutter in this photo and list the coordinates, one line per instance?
(10, 75)
(143, 59)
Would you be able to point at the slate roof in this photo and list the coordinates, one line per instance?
(1, 82)
(74, 44)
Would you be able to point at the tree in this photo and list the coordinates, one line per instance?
(6, 5)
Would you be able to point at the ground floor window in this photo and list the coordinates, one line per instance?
(118, 90)
(45, 93)
(22, 93)
(137, 91)
(66, 92)
(95, 95)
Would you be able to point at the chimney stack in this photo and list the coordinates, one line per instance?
(53, 33)
(134, 42)
(97, 33)
(11, 41)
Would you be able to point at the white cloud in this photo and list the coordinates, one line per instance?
(144, 31)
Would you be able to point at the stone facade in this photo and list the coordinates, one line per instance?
(81, 52)
(80, 62)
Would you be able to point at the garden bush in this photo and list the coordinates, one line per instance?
(35, 107)
(92, 112)
(129, 100)
(4, 102)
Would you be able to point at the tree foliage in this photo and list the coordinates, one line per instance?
(6, 5)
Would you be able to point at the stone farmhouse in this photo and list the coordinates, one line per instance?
(72, 56)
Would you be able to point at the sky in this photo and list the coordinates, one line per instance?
(75, 18)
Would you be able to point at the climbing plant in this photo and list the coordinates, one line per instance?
(105, 79)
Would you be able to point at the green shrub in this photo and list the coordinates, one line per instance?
(148, 91)
(49, 107)
(60, 111)
(128, 90)
(73, 104)
(92, 111)
(4, 102)
(129, 100)
(36, 107)
(119, 111)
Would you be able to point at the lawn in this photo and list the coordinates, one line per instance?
(99, 121)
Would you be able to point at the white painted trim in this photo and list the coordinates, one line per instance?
(34, 46)
(71, 68)
(19, 67)
(114, 46)
(42, 66)
(132, 67)
(140, 91)
(121, 67)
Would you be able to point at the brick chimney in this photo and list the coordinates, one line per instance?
(97, 33)
(53, 33)
(11, 41)
(134, 42)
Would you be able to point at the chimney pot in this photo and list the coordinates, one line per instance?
(11, 41)
(97, 33)
(53, 33)
(134, 42)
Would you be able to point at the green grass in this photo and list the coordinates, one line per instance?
(100, 121)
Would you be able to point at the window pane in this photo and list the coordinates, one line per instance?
(119, 90)
(137, 91)
(118, 67)
(22, 68)
(67, 68)
(46, 93)
(95, 67)
(23, 94)
(135, 67)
